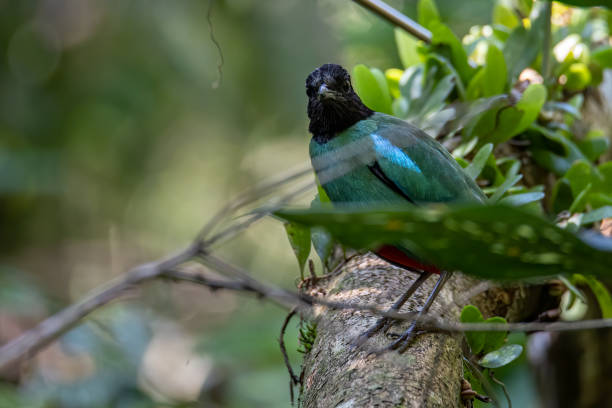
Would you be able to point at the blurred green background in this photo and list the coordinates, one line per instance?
(115, 148)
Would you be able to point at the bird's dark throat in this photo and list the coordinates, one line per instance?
(328, 118)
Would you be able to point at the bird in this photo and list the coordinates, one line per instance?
(365, 158)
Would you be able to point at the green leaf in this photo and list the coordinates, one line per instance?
(436, 98)
(530, 104)
(373, 92)
(494, 339)
(501, 357)
(299, 238)
(476, 340)
(442, 35)
(561, 196)
(596, 215)
(512, 120)
(407, 48)
(323, 243)
(586, 3)
(491, 79)
(523, 46)
(480, 159)
(603, 56)
(504, 15)
(594, 147)
(427, 12)
(581, 199)
(600, 291)
(488, 241)
(511, 179)
(552, 161)
(577, 76)
(579, 176)
(522, 199)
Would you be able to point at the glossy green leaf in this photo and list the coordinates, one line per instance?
(299, 238)
(511, 179)
(476, 340)
(372, 89)
(512, 120)
(530, 104)
(427, 12)
(491, 241)
(480, 159)
(494, 339)
(407, 48)
(501, 357)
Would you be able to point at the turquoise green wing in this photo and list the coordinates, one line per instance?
(418, 165)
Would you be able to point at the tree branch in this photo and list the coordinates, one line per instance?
(396, 18)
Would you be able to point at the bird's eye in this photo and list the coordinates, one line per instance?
(346, 86)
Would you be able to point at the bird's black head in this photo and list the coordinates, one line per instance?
(333, 105)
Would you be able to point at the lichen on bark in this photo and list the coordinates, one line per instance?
(428, 374)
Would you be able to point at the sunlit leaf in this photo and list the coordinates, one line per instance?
(427, 12)
(407, 47)
(504, 15)
(501, 357)
(374, 93)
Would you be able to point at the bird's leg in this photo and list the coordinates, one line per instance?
(384, 322)
(402, 343)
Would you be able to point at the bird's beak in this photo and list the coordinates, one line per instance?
(325, 92)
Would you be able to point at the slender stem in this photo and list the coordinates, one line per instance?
(395, 17)
(546, 41)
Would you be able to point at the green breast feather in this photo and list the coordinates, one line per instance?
(384, 160)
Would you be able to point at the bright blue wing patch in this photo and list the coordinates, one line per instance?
(394, 154)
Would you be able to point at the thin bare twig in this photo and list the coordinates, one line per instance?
(211, 31)
(281, 341)
(396, 18)
(54, 326)
(503, 386)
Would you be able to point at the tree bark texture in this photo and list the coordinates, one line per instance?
(428, 374)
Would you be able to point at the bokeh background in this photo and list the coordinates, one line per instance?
(116, 147)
